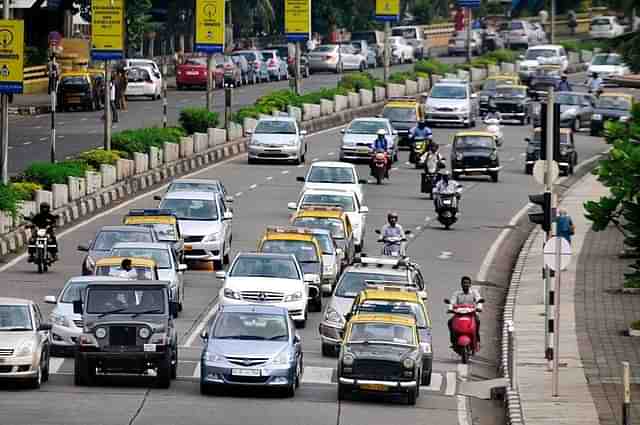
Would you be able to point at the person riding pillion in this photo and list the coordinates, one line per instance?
(466, 295)
(432, 159)
(44, 220)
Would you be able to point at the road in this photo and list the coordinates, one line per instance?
(262, 192)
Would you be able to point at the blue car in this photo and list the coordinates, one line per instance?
(251, 345)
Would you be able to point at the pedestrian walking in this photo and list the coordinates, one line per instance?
(564, 225)
(122, 81)
(112, 97)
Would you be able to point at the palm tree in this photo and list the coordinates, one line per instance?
(246, 14)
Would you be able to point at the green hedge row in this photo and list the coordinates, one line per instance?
(140, 140)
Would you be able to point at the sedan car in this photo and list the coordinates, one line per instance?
(473, 153)
(543, 78)
(277, 138)
(278, 68)
(24, 342)
(608, 65)
(256, 60)
(576, 109)
(488, 90)
(191, 73)
(358, 138)
(610, 107)
(333, 175)
(519, 33)
(287, 54)
(107, 237)
(605, 27)
(513, 103)
(535, 57)
(143, 82)
(251, 345)
(336, 58)
(401, 50)
(197, 185)
(568, 154)
(458, 43)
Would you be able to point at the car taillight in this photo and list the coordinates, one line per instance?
(291, 60)
(256, 65)
(272, 62)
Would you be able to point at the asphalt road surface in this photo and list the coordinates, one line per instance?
(262, 192)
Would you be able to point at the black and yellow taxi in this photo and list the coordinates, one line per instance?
(141, 268)
(380, 353)
(164, 222)
(76, 90)
(307, 250)
(610, 107)
(404, 113)
(568, 154)
(475, 153)
(488, 90)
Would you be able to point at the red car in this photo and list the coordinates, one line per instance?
(193, 72)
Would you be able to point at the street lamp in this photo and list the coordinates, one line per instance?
(228, 90)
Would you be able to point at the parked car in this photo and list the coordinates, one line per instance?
(278, 68)
(608, 65)
(605, 27)
(336, 58)
(256, 60)
(415, 36)
(475, 153)
(568, 154)
(143, 82)
(277, 138)
(401, 51)
(77, 90)
(541, 35)
(451, 103)
(287, 54)
(362, 47)
(232, 74)
(518, 33)
(191, 73)
(610, 107)
(547, 54)
(458, 43)
(375, 40)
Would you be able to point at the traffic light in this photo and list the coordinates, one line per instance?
(541, 213)
(543, 131)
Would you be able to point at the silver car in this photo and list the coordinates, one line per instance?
(278, 69)
(519, 33)
(277, 138)
(451, 103)
(363, 47)
(336, 58)
(331, 258)
(358, 139)
(24, 342)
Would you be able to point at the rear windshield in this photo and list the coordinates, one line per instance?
(395, 114)
(107, 239)
(74, 81)
(470, 142)
(250, 56)
(352, 283)
(138, 75)
(600, 21)
(334, 225)
(369, 36)
(404, 32)
(305, 252)
(275, 127)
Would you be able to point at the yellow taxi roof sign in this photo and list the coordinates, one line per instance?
(474, 133)
(135, 262)
(150, 219)
(384, 318)
(381, 295)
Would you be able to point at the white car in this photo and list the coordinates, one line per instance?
(205, 222)
(66, 326)
(546, 54)
(346, 199)
(401, 50)
(336, 58)
(144, 63)
(608, 65)
(169, 268)
(274, 279)
(605, 27)
(143, 81)
(277, 138)
(452, 102)
(333, 175)
(359, 137)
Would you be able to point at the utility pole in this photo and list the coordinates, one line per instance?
(298, 76)
(164, 83)
(210, 82)
(107, 106)
(387, 53)
(548, 188)
(53, 92)
(469, 19)
(4, 106)
(228, 90)
(626, 388)
(553, 21)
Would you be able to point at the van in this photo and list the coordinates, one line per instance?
(375, 40)
(415, 36)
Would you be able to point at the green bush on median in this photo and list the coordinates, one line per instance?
(9, 200)
(359, 80)
(25, 191)
(197, 120)
(95, 157)
(432, 66)
(140, 140)
(47, 174)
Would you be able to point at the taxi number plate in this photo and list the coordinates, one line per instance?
(188, 247)
(150, 348)
(192, 72)
(373, 387)
(245, 372)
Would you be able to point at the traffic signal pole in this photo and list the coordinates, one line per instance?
(4, 106)
(548, 187)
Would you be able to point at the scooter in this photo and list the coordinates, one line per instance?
(493, 127)
(447, 207)
(465, 328)
(41, 245)
(393, 246)
(418, 148)
(379, 169)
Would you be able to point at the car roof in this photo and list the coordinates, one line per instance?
(329, 191)
(502, 77)
(191, 194)
(15, 301)
(545, 47)
(474, 133)
(288, 119)
(135, 261)
(266, 255)
(196, 181)
(315, 230)
(141, 245)
(383, 270)
(288, 233)
(451, 83)
(89, 279)
(377, 294)
(384, 318)
(126, 228)
(371, 118)
(253, 308)
(511, 86)
(333, 164)
(127, 282)
(609, 94)
(322, 213)
(562, 130)
(75, 74)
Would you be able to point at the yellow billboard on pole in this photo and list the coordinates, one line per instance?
(387, 10)
(210, 26)
(11, 55)
(107, 29)
(297, 19)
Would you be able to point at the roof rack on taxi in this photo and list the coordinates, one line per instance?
(323, 207)
(382, 285)
(149, 212)
(400, 98)
(289, 229)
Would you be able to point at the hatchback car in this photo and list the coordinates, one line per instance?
(513, 103)
(287, 54)
(231, 72)
(277, 138)
(333, 175)
(369, 53)
(401, 50)
(605, 27)
(359, 137)
(197, 185)
(488, 90)
(251, 345)
(24, 342)
(608, 65)
(610, 107)
(191, 73)
(255, 59)
(143, 82)
(518, 33)
(76, 89)
(278, 68)
(475, 153)
(404, 114)
(451, 103)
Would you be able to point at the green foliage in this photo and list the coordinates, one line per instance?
(401, 77)
(138, 17)
(359, 80)
(502, 55)
(630, 51)
(576, 46)
(140, 140)
(197, 120)
(47, 174)
(95, 157)
(35, 56)
(9, 200)
(432, 66)
(25, 191)
(635, 325)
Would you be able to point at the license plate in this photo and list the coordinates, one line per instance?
(188, 247)
(151, 348)
(363, 150)
(447, 202)
(245, 372)
(192, 73)
(373, 387)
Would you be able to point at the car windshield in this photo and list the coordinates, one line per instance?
(407, 33)
(143, 64)
(275, 127)
(344, 201)
(196, 62)
(192, 209)
(331, 175)
(613, 102)
(606, 60)
(326, 245)
(511, 92)
(73, 292)
(125, 300)
(195, 187)
(332, 224)
(162, 257)
(395, 307)
(600, 22)
(474, 142)
(385, 333)
(15, 317)
(534, 54)
(250, 56)
(74, 81)
(516, 25)
(323, 49)
(304, 251)
(448, 92)
(398, 114)
(108, 238)
(568, 99)
(254, 266)
(352, 283)
(251, 326)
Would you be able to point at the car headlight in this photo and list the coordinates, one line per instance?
(459, 156)
(26, 348)
(213, 357)
(296, 296)
(484, 98)
(348, 360)
(281, 358)
(493, 156)
(408, 363)
(292, 142)
(60, 320)
(624, 119)
(213, 237)
(563, 151)
(596, 117)
(89, 264)
(331, 315)
(348, 142)
(230, 293)
(144, 333)
(101, 333)
(426, 347)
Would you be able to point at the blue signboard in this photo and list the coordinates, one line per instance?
(471, 4)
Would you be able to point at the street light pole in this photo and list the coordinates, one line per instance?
(53, 91)
(469, 13)
(387, 55)
(210, 82)
(298, 77)
(164, 83)
(4, 106)
(553, 21)
(107, 106)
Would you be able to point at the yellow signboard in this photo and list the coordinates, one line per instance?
(387, 10)
(11, 55)
(107, 29)
(297, 19)
(210, 26)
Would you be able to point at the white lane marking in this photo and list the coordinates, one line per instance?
(523, 154)
(10, 147)
(436, 382)
(407, 163)
(42, 139)
(314, 160)
(196, 372)
(60, 137)
(445, 255)
(330, 154)
(238, 194)
(427, 219)
(285, 172)
(418, 228)
(269, 178)
(38, 127)
(394, 169)
(27, 143)
(253, 186)
(300, 166)
(317, 375)
(461, 400)
(84, 119)
(198, 330)
(451, 384)
(55, 363)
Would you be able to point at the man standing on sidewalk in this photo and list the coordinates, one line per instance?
(112, 97)
(566, 229)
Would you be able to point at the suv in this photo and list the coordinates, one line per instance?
(375, 40)
(546, 54)
(415, 36)
(473, 153)
(128, 328)
(404, 113)
(451, 103)
(568, 155)
(513, 103)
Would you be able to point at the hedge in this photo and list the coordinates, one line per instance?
(432, 66)
(359, 80)
(95, 157)
(197, 120)
(9, 200)
(140, 140)
(25, 191)
(47, 174)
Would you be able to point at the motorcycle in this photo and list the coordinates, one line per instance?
(41, 245)
(393, 246)
(418, 148)
(379, 168)
(428, 179)
(493, 127)
(465, 328)
(447, 207)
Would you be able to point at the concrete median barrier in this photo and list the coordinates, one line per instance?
(295, 112)
(60, 195)
(353, 100)
(366, 97)
(380, 93)
(77, 187)
(171, 153)
(340, 102)
(94, 179)
(327, 107)
(200, 142)
(124, 169)
(186, 147)
(396, 90)
(493, 70)
(109, 175)
(411, 87)
(141, 162)
(507, 68)
(155, 157)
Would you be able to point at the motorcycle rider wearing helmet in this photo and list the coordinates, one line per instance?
(466, 295)
(380, 144)
(421, 131)
(493, 112)
(564, 85)
(445, 185)
(44, 220)
(594, 83)
(432, 159)
(392, 229)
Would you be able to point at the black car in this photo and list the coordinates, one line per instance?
(76, 90)
(610, 107)
(513, 103)
(568, 154)
(545, 76)
(488, 90)
(475, 153)
(575, 110)
(283, 51)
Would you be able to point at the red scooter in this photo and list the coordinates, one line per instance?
(379, 166)
(465, 329)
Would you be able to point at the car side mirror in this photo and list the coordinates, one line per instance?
(83, 248)
(45, 327)
(300, 179)
(173, 309)
(50, 299)
(228, 199)
(446, 301)
(362, 181)
(343, 131)
(182, 267)
(221, 274)
(364, 210)
(527, 140)
(227, 215)
(303, 132)
(348, 316)
(77, 307)
(377, 231)
(204, 335)
(292, 206)
(157, 198)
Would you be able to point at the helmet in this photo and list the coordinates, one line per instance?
(594, 74)
(391, 215)
(45, 207)
(564, 75)
(422, 124)
(381, 132)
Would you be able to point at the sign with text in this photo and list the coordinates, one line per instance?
(11, 55)
(210, 26)
(297, 19)
(470, 4)
(107, 29)
(387, 10)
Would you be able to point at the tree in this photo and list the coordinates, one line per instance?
(620, 172)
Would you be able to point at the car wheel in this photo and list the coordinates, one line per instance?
(577, 125)
(174, 365)
(225, 259)
(45, 370)
(528, 169)
(205, 389)
(362, 67)
(35, 382)
(494, 177)
(328, 350)
(426, 378)
(412, 396)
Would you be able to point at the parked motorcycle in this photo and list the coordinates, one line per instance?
(447, 207)
(493, 127)
(379, 169)
(465, 329)
(393, 246)
(41, 245)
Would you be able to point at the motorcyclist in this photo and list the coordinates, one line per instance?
(432, 159)
(465, 296)
(392, 229)
(421, 131)
(564, 85)
(594, 84)
(380, 145)
(493, 112)
(445, 185)
(44, 220)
